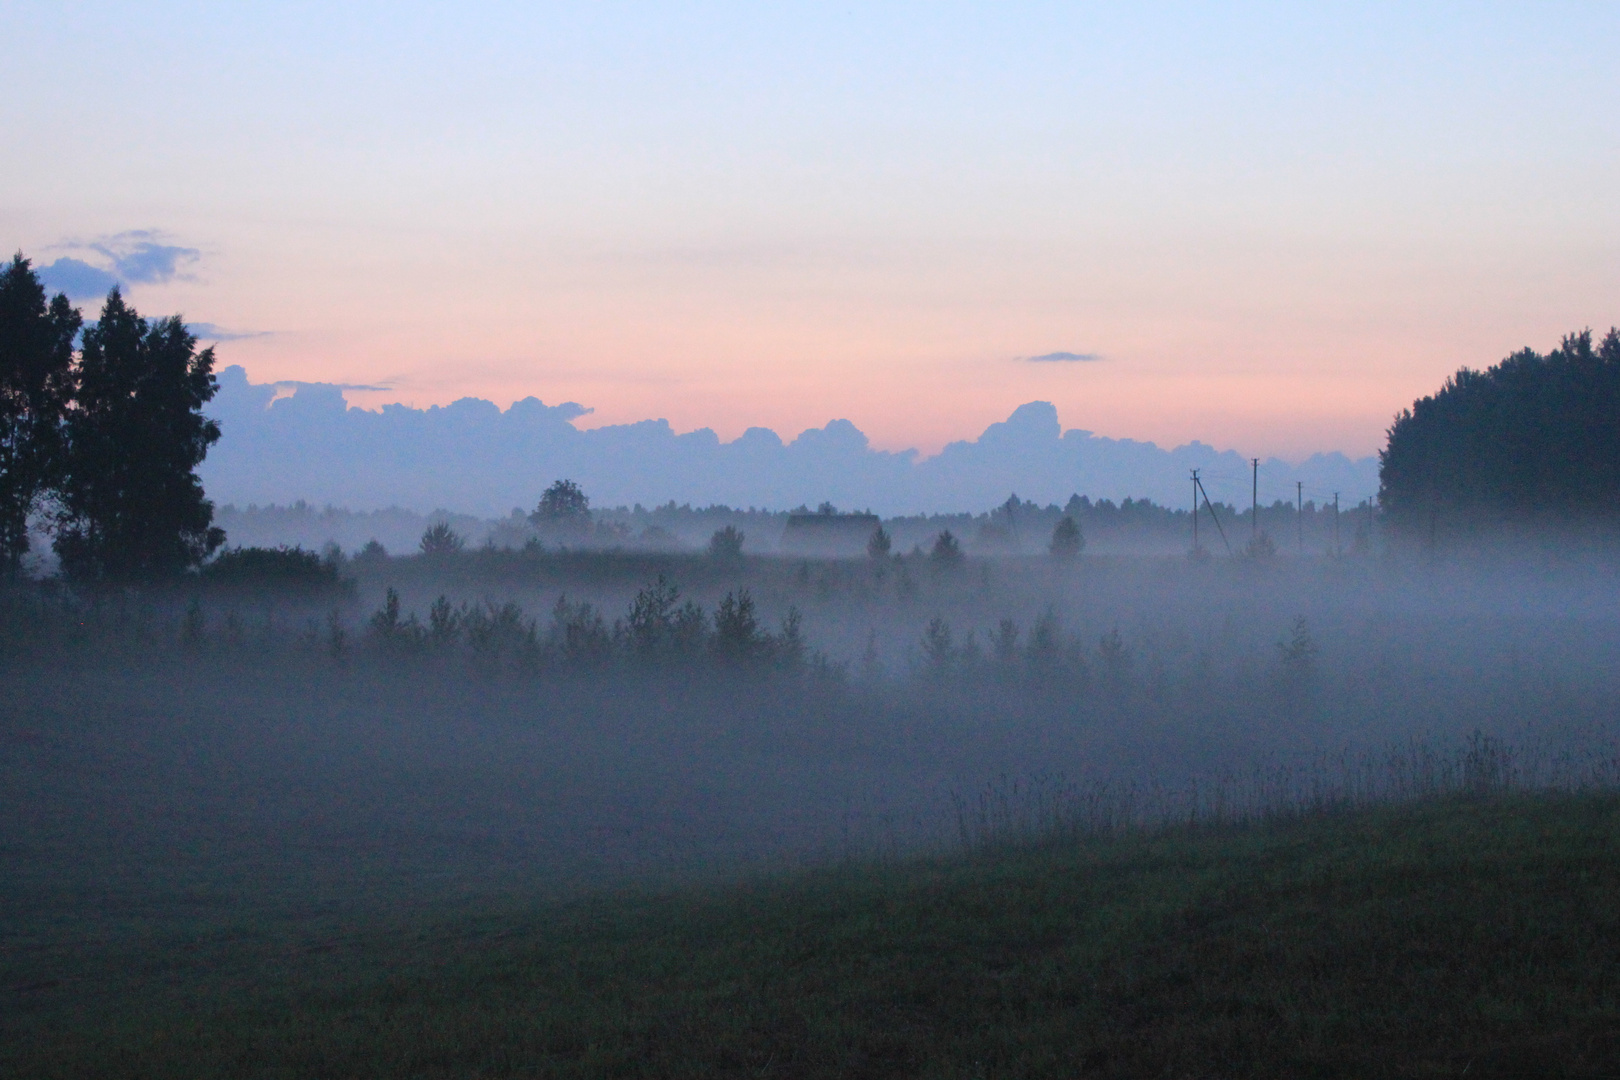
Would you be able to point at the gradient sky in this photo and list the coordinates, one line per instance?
(1272, 226)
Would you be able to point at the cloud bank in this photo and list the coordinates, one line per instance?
(472, 457)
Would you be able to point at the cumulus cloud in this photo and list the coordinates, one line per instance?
(77, 278)
(1063, 358)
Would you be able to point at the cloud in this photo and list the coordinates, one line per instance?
(207, 331)
(137, 256)
(78, 279)
(134, 257)
(1063, 358)
(297, 384)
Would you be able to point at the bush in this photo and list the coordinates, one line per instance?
(947, 552)
(726, 544)
(1067, 539)
(441, 541)
(279, 569)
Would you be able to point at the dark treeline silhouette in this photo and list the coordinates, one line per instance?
(107, 440)
(660, 629)
(1532, 442)
(1107, 527)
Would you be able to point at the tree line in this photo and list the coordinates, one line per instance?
(1533, 439)
(101, 433)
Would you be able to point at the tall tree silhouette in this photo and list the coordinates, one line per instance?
(564, 509)
(133, 508)
(36, 381)
(1533, 435)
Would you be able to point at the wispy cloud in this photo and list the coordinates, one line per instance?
(133, 257)
(296, 384)
(139, 257)
(207, 331)
(1063, 358)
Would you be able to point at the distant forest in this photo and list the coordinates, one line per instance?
(1530, 443)
(1016, 526)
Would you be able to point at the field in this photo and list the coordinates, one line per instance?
(1476, 937)
(1125, 816)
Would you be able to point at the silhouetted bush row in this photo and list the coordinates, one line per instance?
(660, 629)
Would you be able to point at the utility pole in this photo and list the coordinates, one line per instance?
(1335, 524)
(1299, 512)
(1195, 509)
(1254, 511)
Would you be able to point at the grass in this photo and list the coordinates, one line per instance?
(1476, 937)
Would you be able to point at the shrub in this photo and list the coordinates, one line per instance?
(441, 541)
(1067, 539)
(726, 544)
(279, 569)
(947, 552)
(878, 546)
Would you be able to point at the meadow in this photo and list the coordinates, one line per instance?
(526, 807)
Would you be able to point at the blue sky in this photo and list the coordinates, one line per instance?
(1271, 225)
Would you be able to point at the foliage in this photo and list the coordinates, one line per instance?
(132, 506)
(1067, 539)
(440, 541)
(1535, 435)
(726, 544)
(371, 554)
(879, 544)
(564, 509)
(660, 626)
(1260, 548)
(36, 384)
(1298, 653)
(946, 552)
(279, 569)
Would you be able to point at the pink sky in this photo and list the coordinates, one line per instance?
(1276, 226)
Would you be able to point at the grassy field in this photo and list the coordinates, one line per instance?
(1461, 937)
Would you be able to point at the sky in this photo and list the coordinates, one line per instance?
(1267, 227)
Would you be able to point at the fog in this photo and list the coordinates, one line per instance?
(189, 752)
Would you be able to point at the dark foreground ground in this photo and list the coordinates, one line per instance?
(1456, 938)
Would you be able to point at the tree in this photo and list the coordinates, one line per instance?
(947, 553)
(132, 506)
(878, 544)
(726, 544)
(1067, 539)
(1536, 439)
(564, 508)
(440, 541)
(736, 630)
(36, 382)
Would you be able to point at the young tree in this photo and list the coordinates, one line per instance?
(440, 541)
(878, 545)
(133, 508)
(947, 553)
(726, 544)
(1067, 539)
(36, 375)
(564, 508)
(736, 630)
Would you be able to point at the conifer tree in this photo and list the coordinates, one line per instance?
(133, 507)
(36, 382)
